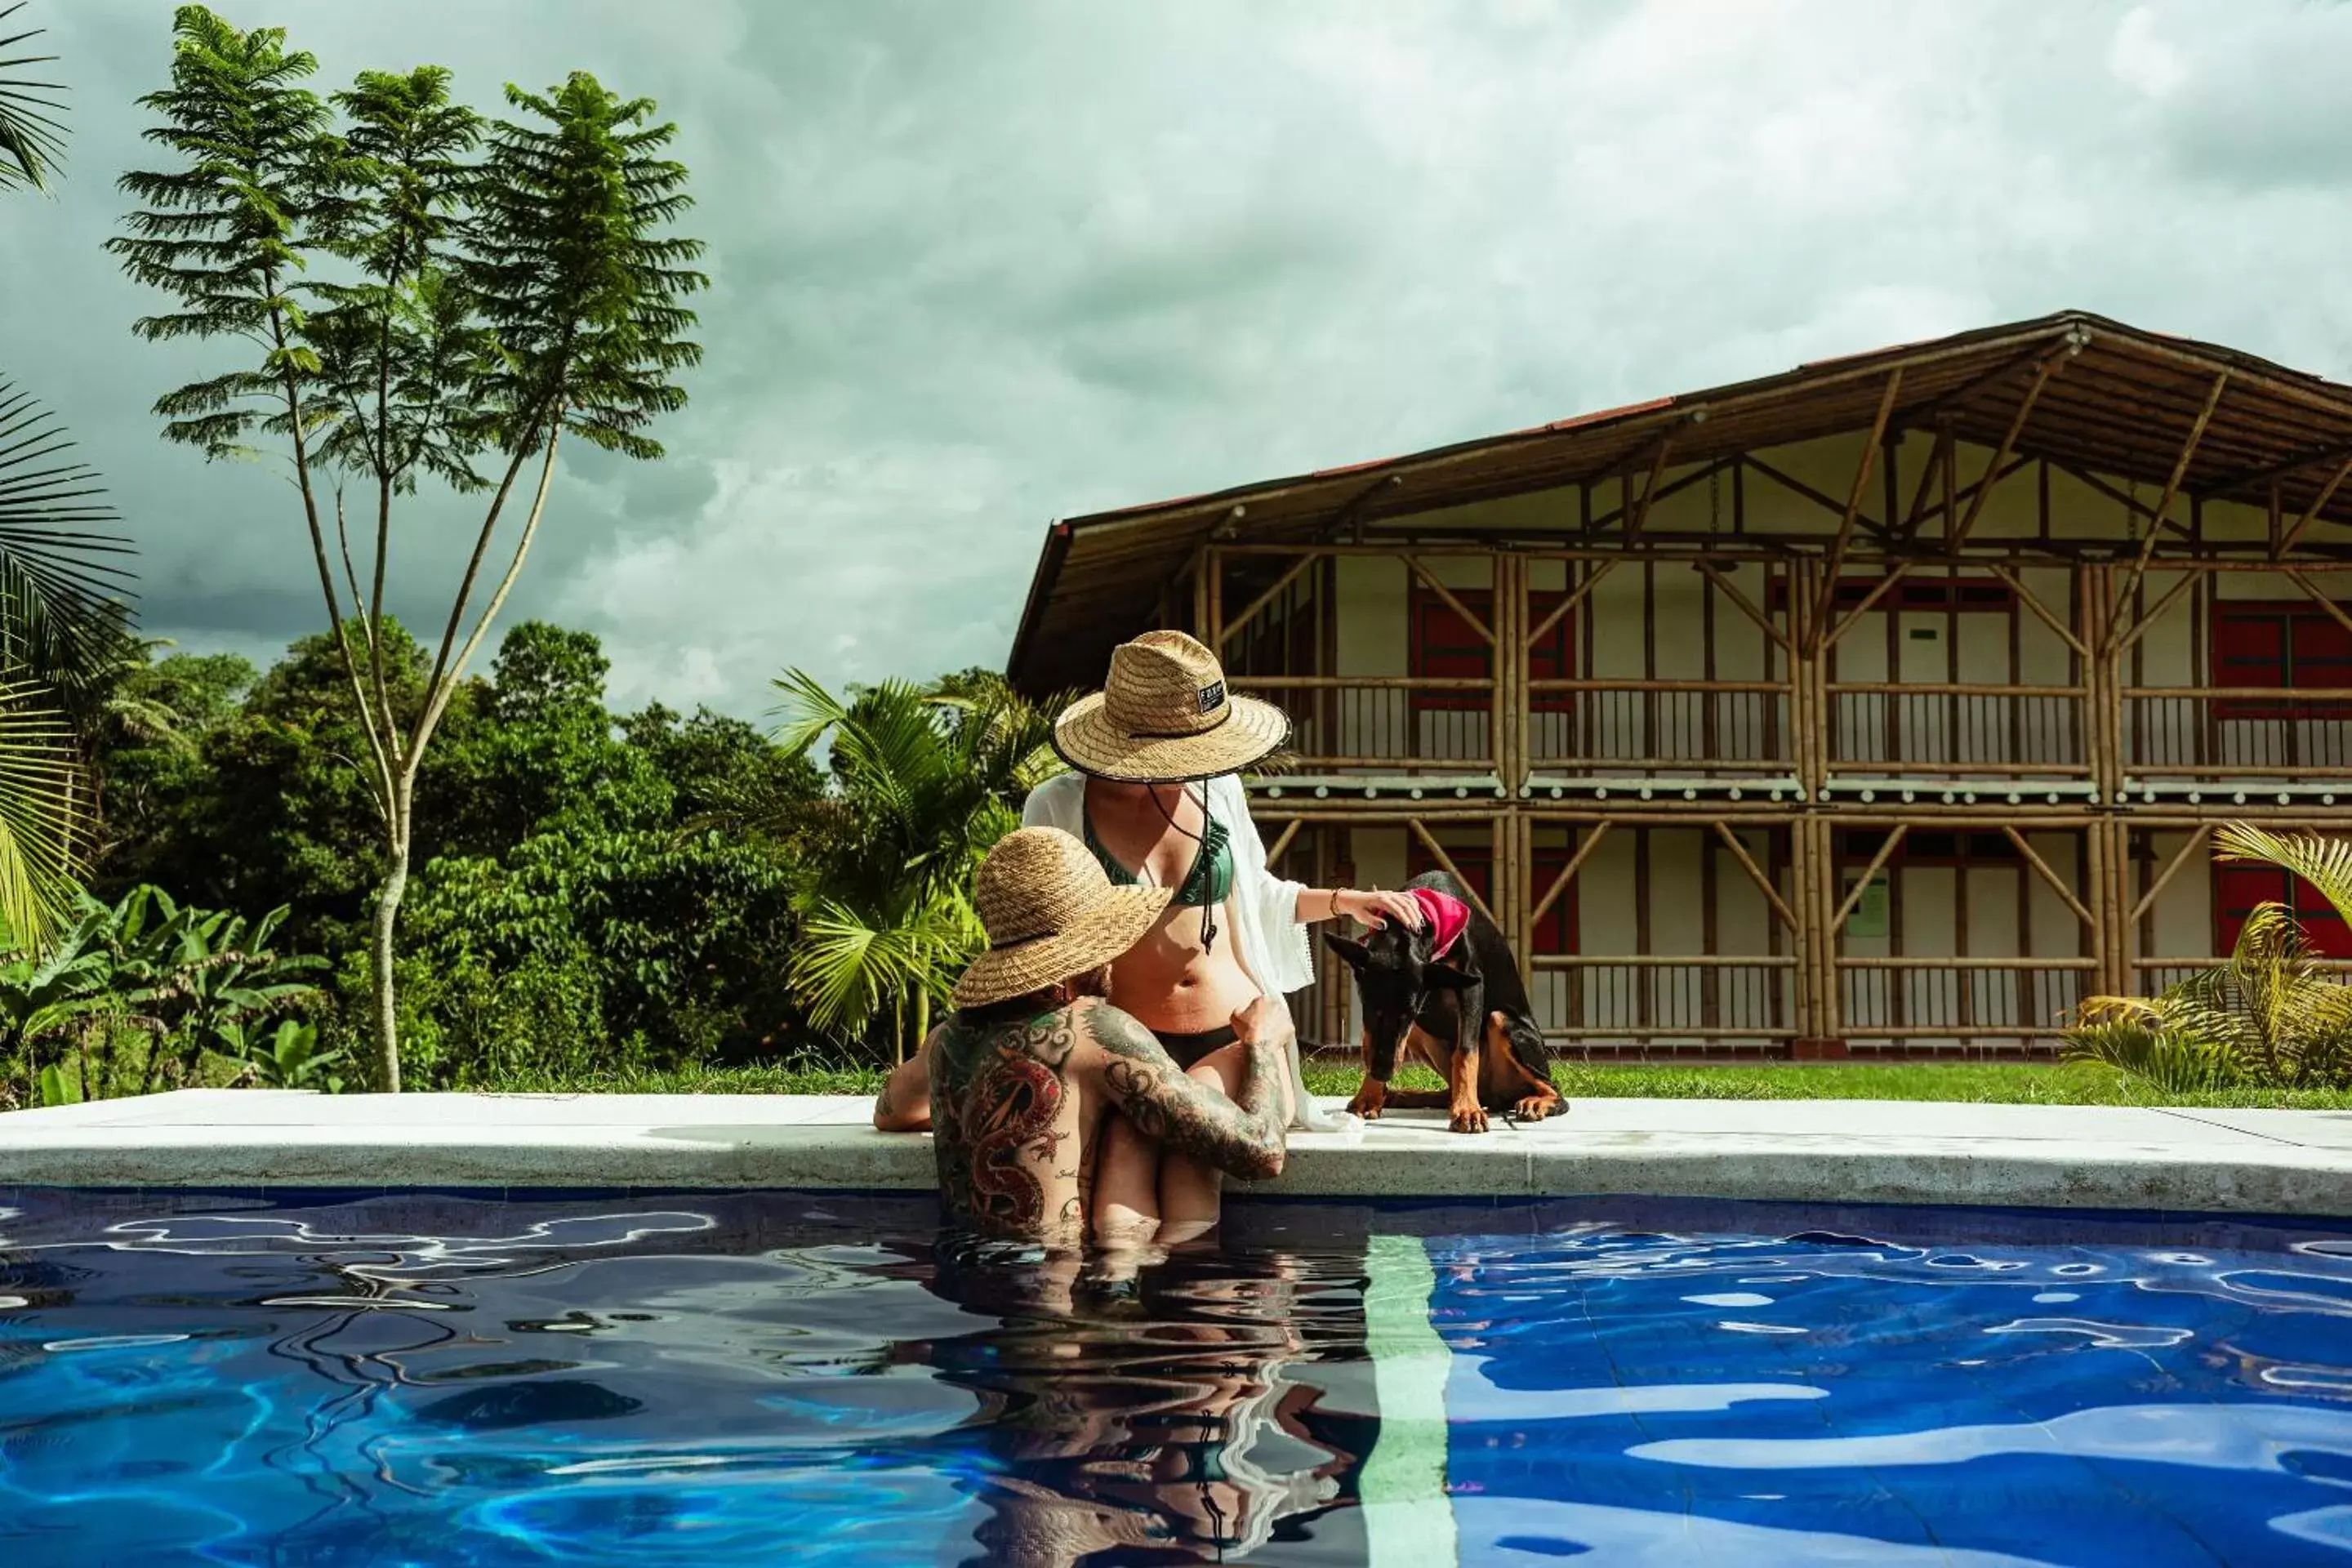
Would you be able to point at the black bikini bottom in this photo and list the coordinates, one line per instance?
(1190, 1048)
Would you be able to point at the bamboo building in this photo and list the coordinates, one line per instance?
(1886, 706)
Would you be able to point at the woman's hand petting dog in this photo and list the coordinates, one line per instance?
(1375, 909)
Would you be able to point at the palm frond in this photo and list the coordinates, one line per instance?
(61, 587)
(924, 781)
(848, 966)
(2272, 1016)
(43, 818)
(2324, 863)
(32, 137)
(2161, 1057)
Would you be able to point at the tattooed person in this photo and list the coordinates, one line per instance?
(1036, 1065)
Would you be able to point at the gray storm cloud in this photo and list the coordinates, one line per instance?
(978, 266)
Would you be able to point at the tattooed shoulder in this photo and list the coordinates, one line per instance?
(1048, 1037)
(1121, 1035)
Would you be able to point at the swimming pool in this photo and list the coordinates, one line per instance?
(446, 1378)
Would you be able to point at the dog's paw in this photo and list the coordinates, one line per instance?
(1536, 1107)
(1468, 1119)
(1365, 1106)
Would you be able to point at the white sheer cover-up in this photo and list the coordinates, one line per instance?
(1262, 911)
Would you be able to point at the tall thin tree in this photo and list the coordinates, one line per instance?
(479, 295)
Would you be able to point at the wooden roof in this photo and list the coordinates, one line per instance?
(2119, 400)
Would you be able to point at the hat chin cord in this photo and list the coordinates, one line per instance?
(1201, 839)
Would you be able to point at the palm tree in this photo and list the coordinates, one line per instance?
(31, 139)
(117, 704)
(2275, 1016)
(924, 781)
(58, 608)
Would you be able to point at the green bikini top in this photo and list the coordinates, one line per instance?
(1210, 878)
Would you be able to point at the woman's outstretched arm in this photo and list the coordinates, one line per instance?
(1372, 907)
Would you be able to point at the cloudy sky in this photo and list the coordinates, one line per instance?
(977, 266)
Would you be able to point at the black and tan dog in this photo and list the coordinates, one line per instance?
(1463, 1011)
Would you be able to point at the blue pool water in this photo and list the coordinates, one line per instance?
(695, 1378)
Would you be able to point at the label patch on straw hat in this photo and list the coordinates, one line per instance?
(1212, 697)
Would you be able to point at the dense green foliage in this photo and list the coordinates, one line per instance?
(2275, 1017)
(580, 903)
(924, 782)
(597, 892)
(146, 993)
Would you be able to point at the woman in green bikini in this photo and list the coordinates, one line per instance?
(1156, 796)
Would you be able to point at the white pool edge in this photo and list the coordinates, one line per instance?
(2282, 1162)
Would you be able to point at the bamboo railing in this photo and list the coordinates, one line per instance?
(2107, 723)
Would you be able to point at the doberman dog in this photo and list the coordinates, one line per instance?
(1463, 1011)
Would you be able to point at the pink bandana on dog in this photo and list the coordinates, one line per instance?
(1448, 918)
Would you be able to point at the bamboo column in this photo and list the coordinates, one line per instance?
(1214, 560)
(2106, 841)
(1514, 838)
(1800, 879)
(2118, 932)
(1812, 864)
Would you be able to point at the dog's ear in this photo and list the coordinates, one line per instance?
(1348, 947)
(1444, 976)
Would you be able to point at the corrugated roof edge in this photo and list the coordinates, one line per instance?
(1057, 541)
(1602, 416)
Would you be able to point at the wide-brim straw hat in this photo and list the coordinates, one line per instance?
(1050, 913)
(1165, 717)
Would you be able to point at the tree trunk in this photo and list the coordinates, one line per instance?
(387, 916)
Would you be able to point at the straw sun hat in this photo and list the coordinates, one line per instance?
(1164, 717)
(1050, 913)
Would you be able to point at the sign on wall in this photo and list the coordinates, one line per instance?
(1869, 917)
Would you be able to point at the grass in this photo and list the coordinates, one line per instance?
(1979, 1083)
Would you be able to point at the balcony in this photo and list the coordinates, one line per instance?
(1381, 724)
(1594, 1000)
(2217, 732)
(1917, 730)
(1635, 727)
(1960, 999)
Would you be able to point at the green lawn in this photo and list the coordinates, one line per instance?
(1983, 1083)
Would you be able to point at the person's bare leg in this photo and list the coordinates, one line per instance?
(1191, 1194)
(1127, 1186)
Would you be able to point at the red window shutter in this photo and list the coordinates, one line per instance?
(2238, 889)
(2249, 647)
(1444, 646)
(2322, 653)
(2280, 647)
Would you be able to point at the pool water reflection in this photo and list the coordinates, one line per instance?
(685, 1379)
(694, 1378)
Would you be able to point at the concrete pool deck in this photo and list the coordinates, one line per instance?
(1896, 1152)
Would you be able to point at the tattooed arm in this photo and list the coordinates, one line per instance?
(904, 1103)
(1244, 1139)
